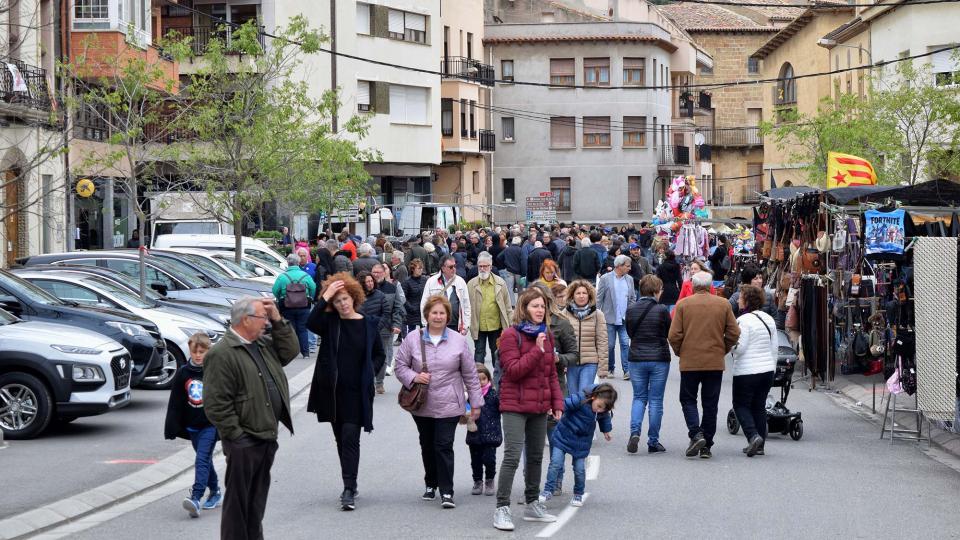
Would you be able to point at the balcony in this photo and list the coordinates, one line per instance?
(674, 155)
(26, 94)
(751, 191)
(704, 152)
(742, 137)
(467, 69)
(203, 34)
(488, 140)
(695, 104)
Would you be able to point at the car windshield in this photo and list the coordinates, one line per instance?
(120, 293)
(207, 265)
(193, 227)
(18, 286)
(236, 268)
(182, 271)
(6, 318)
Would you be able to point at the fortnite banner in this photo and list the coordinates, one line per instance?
(884, 232)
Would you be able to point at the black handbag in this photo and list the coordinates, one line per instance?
(411, 399)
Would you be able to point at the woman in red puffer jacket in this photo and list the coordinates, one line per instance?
(529, 391)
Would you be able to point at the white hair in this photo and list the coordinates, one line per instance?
(293, 259)
(585, 242)
(397, 255)
(484, 257)
(621, 260)
(366, 249)
(244, 307)
(701, 280)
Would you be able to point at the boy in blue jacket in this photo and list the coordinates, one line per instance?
(574, 435)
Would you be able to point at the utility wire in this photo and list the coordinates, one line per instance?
(811, 5)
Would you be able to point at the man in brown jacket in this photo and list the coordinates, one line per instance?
(702, 332)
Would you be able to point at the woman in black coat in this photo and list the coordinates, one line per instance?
(567, 269)
(413, 292)
(342, 391)
(669, 272)
(375, 303)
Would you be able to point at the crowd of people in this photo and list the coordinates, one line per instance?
(548, 306)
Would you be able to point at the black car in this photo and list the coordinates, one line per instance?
(139, 336)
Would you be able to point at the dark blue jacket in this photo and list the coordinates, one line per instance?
(489, 432)
(574, 432)
(513, 259)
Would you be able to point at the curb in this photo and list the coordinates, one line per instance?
(122, 489)
(860, 396)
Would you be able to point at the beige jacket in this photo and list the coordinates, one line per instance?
(476, 301)
(591, 338)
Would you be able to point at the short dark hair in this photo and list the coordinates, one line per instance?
(606, 393)
(447, 258)
(595, 236)
(749, 272)
(650, 285)
(753, 297)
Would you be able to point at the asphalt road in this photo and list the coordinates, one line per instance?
(72, 458)
(839, 481)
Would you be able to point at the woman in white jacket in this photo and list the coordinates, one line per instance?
(754, 364)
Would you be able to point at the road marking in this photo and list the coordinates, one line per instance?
(131, 462)
(593, 467)
(562, 520)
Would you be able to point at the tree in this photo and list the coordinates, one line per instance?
(260, 136)
(906, 127)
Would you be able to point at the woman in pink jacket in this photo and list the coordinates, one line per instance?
(450, 368)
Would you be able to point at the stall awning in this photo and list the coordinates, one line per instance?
(932, 193)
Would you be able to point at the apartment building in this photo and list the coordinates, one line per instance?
(34, 180)
(598, 131)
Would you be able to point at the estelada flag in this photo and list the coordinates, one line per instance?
(844, 170)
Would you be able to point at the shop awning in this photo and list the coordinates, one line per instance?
(932, 193)
(787, 192)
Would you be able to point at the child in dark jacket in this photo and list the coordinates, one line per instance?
(484, 441)
(574, 435)
(186, 419)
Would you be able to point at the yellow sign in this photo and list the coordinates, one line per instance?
(85, 188)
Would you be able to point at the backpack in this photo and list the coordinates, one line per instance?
(295, 296)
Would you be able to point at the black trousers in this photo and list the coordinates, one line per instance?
(436, 448)
(708, 383)
(247, 485)
(348, 448)
(750, 402)
(483, 457)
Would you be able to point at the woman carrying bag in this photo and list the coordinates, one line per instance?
(449, 367)
(754, 364)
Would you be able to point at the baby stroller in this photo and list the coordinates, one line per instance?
(779, 417)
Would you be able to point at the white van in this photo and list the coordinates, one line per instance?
(252, 247)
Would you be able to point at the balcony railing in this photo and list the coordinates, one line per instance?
(488, 140)
(751, 191)
(23, 84)
(458, 67)
(695, 104)
(704, 152)
(203, 34)
(736, 137)
(674, 155)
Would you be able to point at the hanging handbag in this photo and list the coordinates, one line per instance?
(411, 399)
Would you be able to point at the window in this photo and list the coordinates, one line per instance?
(633, 193)
(561, 190)
(463, 118)
(508, 187)
(754, 116)
(634, 71)
(786, 91)
(506, 70)
(654, 131)
(476, 181)
(596, 131)
(91, 9)
(946, 70)
(69, 292)
(706, 70)
(363, 18)
(655, 73)
(469, 45)
(596, 71)
(561, 71)
(563, 132)
(506, 124)
(473, 117)
(753, 65)
(407, 26)
(408, 104)
(363, 96)
(634, 131)
(446, 117)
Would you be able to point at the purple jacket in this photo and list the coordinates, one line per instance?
(451, 368)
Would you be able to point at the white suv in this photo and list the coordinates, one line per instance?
(50, 371)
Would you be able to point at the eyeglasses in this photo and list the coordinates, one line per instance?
(264, 317)
(449, 266)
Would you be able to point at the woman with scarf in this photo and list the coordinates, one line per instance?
(549, 274)
(590, 327)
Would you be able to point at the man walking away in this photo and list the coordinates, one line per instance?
(512, 257)
(247, 364)
(702, 332)
(615, 293)
(490, 311)
(586, 263)
(295, 289)
(394, 298)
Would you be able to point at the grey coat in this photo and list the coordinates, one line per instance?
(606, 289)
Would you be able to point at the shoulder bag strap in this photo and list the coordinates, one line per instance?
(767, 328)
(423, 353)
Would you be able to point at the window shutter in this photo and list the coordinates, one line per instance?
(416, 105)
(363, 93)
(941, 62)
(562, 132)
(634, 63)
(395, 22)
(415, 21)
(363, 18)
(398, 103)
(596, 62)
(561, 67)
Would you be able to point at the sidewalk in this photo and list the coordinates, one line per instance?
(864, 390)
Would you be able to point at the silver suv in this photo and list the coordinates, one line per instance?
(53, 371)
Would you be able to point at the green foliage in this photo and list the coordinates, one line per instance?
(464, 225)
(268, 235)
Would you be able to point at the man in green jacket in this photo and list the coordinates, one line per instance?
(296, 309)
(245, 396)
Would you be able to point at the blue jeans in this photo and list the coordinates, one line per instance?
(204, 476)
(614, 330)
(580, 377)
(649, 380)
(298, 318)
(556, 470)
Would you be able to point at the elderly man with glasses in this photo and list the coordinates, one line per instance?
(449, 284)
(491, 311)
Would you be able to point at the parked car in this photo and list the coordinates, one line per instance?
(222, 242)
(211, 272)
(224, 264)
(217, 313)
(163, 275)
(176, 326)
(139, 336)
(250, 264)
(54, 371)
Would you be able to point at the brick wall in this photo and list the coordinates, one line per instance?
(730, 51)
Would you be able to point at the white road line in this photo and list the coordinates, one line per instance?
(593, 467)
(562, 520)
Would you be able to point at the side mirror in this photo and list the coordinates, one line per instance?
(11, 304)
(160, 288)
(259, 271)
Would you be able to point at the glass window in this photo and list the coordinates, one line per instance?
(235, 268)
(508, 190)
(363, 96)
(634, 71)
(506, 70)
(563, 132)
(753, 65)
(634, 184)
(446, 117)
(207, 265)
(786, 90)
(25, 289)
(562, 71)
(635, 131)
(596, 131)
(561, 190)
(91, 9)
(69, 292)
(363, 18)
(262, 256)
(596, 71)
(507, 125)
(121, 294)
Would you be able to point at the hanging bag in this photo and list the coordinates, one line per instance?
(412, 399)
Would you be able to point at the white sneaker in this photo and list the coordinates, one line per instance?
(577, 500)
(536, 511)
(502, 519)
(390, 371)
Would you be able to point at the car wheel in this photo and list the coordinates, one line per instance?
(26, 406)
(164, 379)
